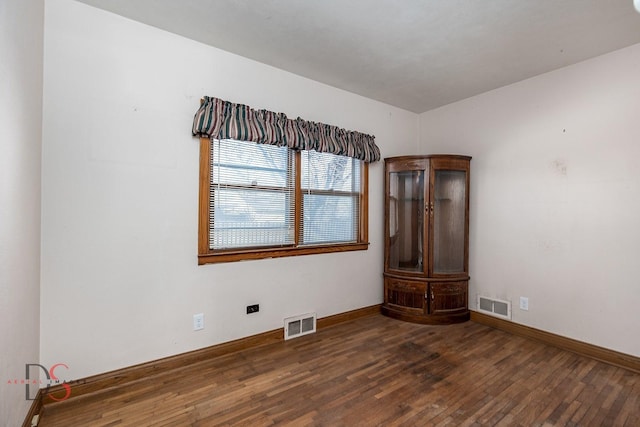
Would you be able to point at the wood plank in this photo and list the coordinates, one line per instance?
(34, 409)
(373, 370)
(602, 354)
(123, 376)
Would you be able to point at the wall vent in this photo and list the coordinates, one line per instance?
(298, 326)
(494, 307)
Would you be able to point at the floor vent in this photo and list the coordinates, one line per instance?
(494, 307)
(298, 326)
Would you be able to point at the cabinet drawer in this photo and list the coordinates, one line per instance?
(448, 297)
(405, 294)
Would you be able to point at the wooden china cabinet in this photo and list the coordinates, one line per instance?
(426, 257)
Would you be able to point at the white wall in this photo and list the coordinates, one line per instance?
(555, 196)
(21, 24)
(120, 278)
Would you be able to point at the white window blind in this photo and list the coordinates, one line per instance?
(252, 195)
(330, 187)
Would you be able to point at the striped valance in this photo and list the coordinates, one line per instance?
(225, 120)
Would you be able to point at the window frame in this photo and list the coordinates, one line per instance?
(206, 255)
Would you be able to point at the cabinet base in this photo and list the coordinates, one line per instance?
(427, 319)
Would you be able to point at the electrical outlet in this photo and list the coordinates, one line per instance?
(253, 308)
(198, 321)
(524, 303)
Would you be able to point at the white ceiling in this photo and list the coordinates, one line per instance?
(414, 54)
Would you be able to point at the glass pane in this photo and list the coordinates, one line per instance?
(329, 219)
(252, 195)
(449, 221)
(331, 198)
(248, 163)
(406, 220)
(326, 171)
(250, 218)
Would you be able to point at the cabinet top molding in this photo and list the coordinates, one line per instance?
(430, 156)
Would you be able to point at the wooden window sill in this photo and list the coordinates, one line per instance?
(244, 255)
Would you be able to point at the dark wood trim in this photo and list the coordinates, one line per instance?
(347, 316)
(281, 252)
(434, 319)
(420, 157)
(119, 377)
(133, 373)
(204, 194)
(602, 354)
(402, 275)
(375, 371)
(364, 203)
(297, 187)
(35, 409)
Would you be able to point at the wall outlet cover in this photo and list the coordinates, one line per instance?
(198, 321)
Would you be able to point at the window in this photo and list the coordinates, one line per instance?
(331, 188)
(261, 201)
(271, 186)
(252, 196)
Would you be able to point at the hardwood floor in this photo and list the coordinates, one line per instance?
(374, 371)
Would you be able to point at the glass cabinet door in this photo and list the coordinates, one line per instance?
(406, 218)
(449, 221)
